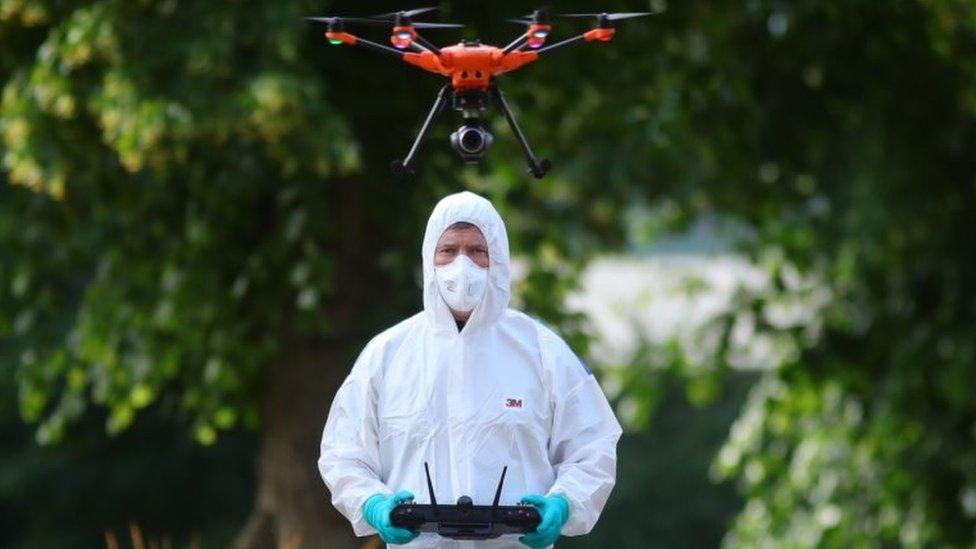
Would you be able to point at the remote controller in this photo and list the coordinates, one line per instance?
(465, 520)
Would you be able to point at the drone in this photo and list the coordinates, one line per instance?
(472, 68)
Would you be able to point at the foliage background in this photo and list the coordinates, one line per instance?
(187, 187)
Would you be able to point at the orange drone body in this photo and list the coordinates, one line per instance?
(470, 67)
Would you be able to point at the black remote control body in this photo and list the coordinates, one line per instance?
(465, 520)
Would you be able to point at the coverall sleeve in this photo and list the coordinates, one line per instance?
(583, 439)
(349, 461)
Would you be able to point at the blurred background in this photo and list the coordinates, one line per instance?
(758, 230)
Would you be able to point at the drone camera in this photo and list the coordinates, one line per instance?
(471, 141)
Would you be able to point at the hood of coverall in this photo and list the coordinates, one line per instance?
(478, 211)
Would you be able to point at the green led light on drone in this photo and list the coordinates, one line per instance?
(335, 42)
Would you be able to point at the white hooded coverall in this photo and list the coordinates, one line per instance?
(505, 390)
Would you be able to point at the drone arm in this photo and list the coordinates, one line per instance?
(516, 44)
(561, 44)
(352, 40)
(597, 34)
(504, 62)
(427, 60)
(427, 45)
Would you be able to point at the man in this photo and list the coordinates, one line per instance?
(469, 386)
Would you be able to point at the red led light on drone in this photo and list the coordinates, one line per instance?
(537, 35)
(402, 37)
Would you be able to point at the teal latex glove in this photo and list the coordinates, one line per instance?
(553, 512)
(377, 511)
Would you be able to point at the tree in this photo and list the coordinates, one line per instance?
(187, 236)
(864, 434)
(844, 134)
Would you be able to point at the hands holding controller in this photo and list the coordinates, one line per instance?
(377, 510)
(554, 511)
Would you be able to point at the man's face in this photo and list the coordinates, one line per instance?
(467, 241)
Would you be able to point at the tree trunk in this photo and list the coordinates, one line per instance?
(292, 507)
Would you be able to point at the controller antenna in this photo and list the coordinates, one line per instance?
(430, 486)
(498, 491)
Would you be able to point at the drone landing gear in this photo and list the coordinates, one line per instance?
(470, 148)
(404, 166)
(537, 168)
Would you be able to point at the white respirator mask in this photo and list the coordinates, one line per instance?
(462, 283)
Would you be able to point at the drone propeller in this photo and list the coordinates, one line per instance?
(422, 25)
(608, 16)
(339, 20)
(404, 18)
(333, 21)
(408, 13)
(537, 17)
